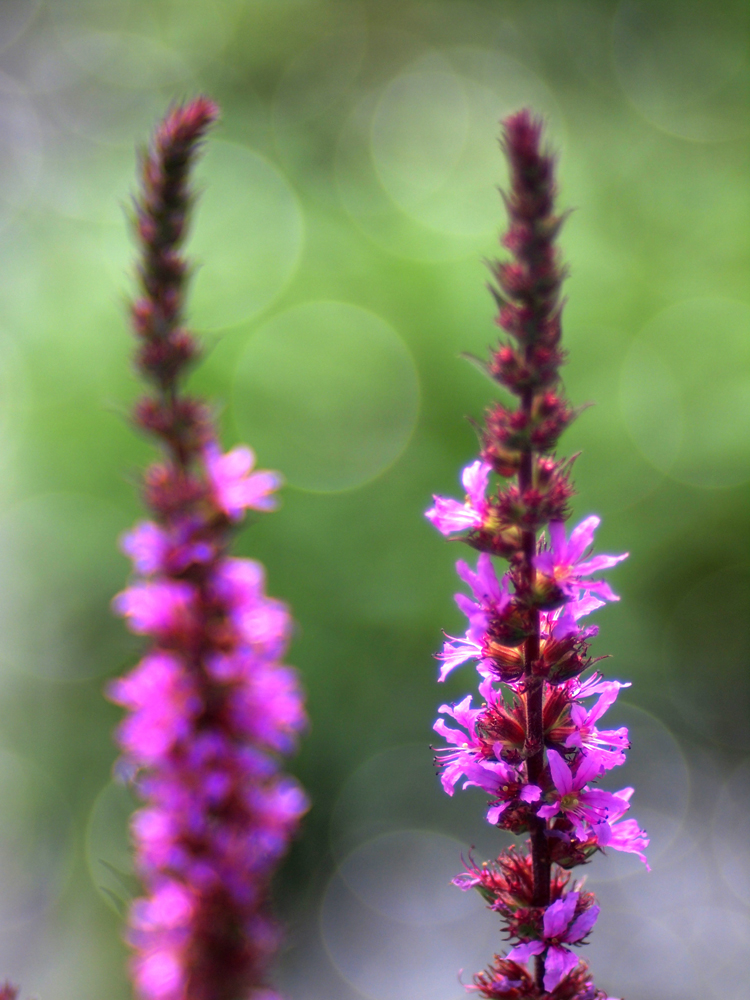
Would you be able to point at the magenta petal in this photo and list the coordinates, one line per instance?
(588, 770)
(523, 952)
(597, 563)
(582, 925)
(559, 914)
(582, 536)
(450, 516)
(561, 775)
(474, 480)
(495, 812)
(530, 793)
(557, 540)
(558, 963)
(548, 811)
(545, 563)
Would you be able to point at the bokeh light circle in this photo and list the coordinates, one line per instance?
(59, 569)
(434, 136)
(685, 65)
(124, 59)
(109, 855)
(398, 789)
(718, 939)
(247, 236)
(15, 17)
(636, 956)
(685, 391)
(35, 848)
(706, 649)
(111, 115)
(658, 770)
(21, 153)
(327, 393)
(423, 183)
(419, 131)
(406, 875)
(731, 833)
(387, 959)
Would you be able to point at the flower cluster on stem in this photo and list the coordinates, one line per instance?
(210, 707)
(533, 744)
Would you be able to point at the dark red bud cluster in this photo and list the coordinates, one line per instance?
(165, 172)
(502, 732)
(9, 992)
(567, 852)
(164, 360)
(508, 432)
(534, 282)
(508, 882)
(512, 626)
(506, 662)
(168, 491)
(532, 370)
(536, 506)
(505, 980)
(166, 348)
(577, 985)
(186, 423)
(496, 538)
(563, 659)
(556, 719)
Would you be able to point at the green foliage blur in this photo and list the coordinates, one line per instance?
(349, 204)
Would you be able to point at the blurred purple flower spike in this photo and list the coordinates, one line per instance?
(210, 706)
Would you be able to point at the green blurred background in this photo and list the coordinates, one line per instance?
(350, 200)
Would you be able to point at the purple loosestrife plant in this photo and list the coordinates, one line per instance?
(533, 744)
(210, 706)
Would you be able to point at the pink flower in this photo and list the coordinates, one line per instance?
(560, 928)
(503, 782)
(599, 742)
(564, 561)
(158, 608)
(450, 516)
(235, 489)
(584, 807)
(163, 702)
(491, 598)
(623, 834)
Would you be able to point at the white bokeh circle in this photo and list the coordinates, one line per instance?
(388, 959)
(327, 392)
(59, 569)
(434, 136)
(685, 391)
(731, 832)
(419, 175)
(406, 876)
(247, 237)
(685, 65)
(35, 848)
(658, 770)
(708, 636)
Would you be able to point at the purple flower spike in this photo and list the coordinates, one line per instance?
(533, 745)
(211, 706)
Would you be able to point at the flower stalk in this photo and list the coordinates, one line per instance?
(211, 708)
(533, 746)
